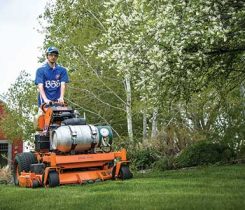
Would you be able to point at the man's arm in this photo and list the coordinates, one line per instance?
(64, 80)
(62, 92)
(42, 93)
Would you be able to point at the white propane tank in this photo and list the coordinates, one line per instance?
(74, 137)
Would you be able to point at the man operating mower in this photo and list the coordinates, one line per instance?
(51, 79)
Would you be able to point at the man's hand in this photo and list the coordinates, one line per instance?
(41, 90)
(47, 101)
(61, 100)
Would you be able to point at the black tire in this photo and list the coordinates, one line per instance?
(125, 173)
(22, 162)
(53, 179)
(113, 173)
(35, 184)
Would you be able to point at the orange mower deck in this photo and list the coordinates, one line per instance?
(76, 169)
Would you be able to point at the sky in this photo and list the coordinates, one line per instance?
(19, 39)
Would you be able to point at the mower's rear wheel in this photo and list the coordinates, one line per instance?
(16, 174)
(125, 173)
(53, 179)
(22, 162)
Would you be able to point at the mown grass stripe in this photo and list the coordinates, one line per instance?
(216, 187)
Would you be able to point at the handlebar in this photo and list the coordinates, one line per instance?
(50, 104)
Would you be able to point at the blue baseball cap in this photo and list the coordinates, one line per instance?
(52, 49)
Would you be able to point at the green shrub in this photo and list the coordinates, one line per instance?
(241, 153)
(203, 153)
(164, 163)
(143, 158)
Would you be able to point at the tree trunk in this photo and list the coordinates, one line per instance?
(242, 92)
(144, 125)
(154, 123)
(128, 107)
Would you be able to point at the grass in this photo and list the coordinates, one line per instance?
(216, 187)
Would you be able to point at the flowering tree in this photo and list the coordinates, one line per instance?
(169, 50)
(157, 58)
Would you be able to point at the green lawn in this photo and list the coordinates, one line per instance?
(217, 187)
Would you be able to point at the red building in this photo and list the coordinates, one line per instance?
(8, 150)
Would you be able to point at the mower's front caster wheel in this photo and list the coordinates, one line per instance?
(53, 179)
(125, 173)
(35, 184)
(113, 173)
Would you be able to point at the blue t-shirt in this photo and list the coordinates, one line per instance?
(51, 80)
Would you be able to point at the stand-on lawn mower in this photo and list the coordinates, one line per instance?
(69, 151)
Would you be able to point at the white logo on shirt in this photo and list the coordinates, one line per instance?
(52, 83)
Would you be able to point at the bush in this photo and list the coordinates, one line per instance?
(143, 158)
(203, 153)
(241, 154)
(5, 175)
(164, 163)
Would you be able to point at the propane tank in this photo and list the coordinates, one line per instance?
(79, 138)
